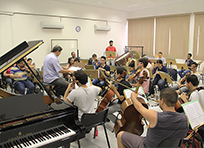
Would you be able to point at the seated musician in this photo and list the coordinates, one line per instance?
(18, 73)
(142, 66)
(191, 84)
(115, 105)
(132, 69)
(83, 97)
(161, 58)
(8, 79)
(106, 70)
(192, 71)
(51, 70)
(157, 78)
(161, 123)
(188, 61)
(73, 55)
(150, 64)
(95, 61)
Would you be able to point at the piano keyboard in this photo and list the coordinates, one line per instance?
(40, 138)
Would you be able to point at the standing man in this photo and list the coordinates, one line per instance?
(18, 73)
(51, 70)
(188, 62)
(106, 70)
(168, 124)
(111, 59)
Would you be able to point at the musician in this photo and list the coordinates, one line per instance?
(142, 66)
(161, 58)
(51, 70)
(103, 67)
(150, 64)
(18, 73)
(192, 71)
(161, 123)
(157, 78)
(73, 55)
(113, 49)
(188, 61)
(132, 69)
(70, 62)
(95, 61)
(8, 79)
(115, 105)
(32, 66)
(191, 84)
(83, 97)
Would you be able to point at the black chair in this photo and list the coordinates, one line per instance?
(169, 143)
(90, 120)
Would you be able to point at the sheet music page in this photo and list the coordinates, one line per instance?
(141, 94)
(194, 112)
(74, 68)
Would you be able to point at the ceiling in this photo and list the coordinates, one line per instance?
(124, 5)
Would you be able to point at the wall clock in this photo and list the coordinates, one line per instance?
(78, 28)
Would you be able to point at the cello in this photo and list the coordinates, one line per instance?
(131, 118)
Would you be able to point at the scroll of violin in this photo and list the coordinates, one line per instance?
(131, 118)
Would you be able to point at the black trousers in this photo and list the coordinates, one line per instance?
(60, 86)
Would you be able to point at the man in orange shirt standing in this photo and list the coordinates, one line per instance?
(113, 49)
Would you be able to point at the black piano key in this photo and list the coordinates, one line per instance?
(41, 137)
(10, 144)
(31, 140)
(51, 132)
(46, 135)
(18, 143)
(36, 137)
(22, 142)
(5, 145)
(55, 133)
(28, 141)
(58, 131)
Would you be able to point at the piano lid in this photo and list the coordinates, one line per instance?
(20, 51)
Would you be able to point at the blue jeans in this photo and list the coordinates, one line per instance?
(159, 82)
(182, 73)
(101, 83)
(20, 85)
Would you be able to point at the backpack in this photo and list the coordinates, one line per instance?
(189, 143)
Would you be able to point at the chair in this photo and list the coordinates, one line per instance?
(90, 120)
(169, 143)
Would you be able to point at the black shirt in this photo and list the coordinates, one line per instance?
(121, 88)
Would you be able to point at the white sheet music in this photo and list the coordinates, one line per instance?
(74, 68)
(141, 94)
(194, 113)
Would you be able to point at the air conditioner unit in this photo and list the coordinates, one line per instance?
(102, 28)
(51, 25)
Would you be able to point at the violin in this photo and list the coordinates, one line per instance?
(96, 62)
(102, 75)
(184, 78)
(131, 118)
(134, 75)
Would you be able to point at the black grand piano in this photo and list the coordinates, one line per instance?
(26, 121)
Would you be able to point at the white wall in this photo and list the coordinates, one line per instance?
(18, 27)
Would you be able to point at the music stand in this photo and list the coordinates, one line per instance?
(110, 54)
(182, 66)
(89, 66)
(165, 77)
(112, 68)
(171, 62)
(93, 74)
(154, 61)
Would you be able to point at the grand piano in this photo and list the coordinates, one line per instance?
(26, 121)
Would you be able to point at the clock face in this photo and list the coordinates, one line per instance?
(78, 28)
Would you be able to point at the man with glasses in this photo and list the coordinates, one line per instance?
(103, 67)
(183, 88)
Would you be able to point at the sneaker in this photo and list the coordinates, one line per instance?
(152, 96)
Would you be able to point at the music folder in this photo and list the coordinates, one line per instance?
(110, 54)
(165, 77)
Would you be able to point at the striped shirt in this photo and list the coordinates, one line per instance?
(17, 71)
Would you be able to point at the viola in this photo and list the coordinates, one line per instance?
(134, 75)
(131, 118)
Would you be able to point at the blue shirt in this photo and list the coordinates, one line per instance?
(51, 68)
(163, 69)
(106, 67)
(189, 62)
(94, 63)
(163, 60)
(17, 71)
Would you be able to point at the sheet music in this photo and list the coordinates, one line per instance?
(74, 68)
(194, 113)
(141, 94)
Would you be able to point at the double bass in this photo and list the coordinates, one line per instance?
(131, 118)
